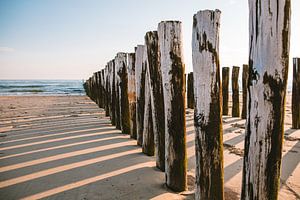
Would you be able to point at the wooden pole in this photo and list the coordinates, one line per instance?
(118, 93)
(112, 93)
(235, 91)
(190, 91)
(269, 32)
(296, 94)
(244, 85)
(208, 112)
(108, 88)
(131, 94)
(96, 97)
(94, 88)
(148, 134)
(103, 90)
(157, 98)
(140, 73)
(225, 89)
(173, 69)
(121, 61)
(106, 91)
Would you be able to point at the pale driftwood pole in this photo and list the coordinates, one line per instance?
(208, 112)
(173, 69)
(140, 73)
(235, 91)
(225, 89)
(245, 77)
(190, 91)
(296, 94)
(131, 94)
(123, 92)
(268, 69)
(157, 98)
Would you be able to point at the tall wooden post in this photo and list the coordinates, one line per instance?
(235, 91)
(208, 112)
(173, 69)
(148, 134)
(112, 93)
(157, 98)
(225, 89)
(93, 80)
(140, 73)
(269, 24)
(296, 94)
(131, 94)
(118, 93)
(96, 86)
(245, 77)
(103, 89)
(121, 61)
(108, 88)
(190, 91)
(106, 91)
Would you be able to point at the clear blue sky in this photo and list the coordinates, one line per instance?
(71, 39)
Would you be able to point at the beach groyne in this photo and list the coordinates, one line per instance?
(150, 100)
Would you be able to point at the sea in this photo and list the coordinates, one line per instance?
(55, 87)
(41, 87)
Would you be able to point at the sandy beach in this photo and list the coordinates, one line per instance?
(63, 147)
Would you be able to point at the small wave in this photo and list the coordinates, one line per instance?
(21, 91)
(21, 86)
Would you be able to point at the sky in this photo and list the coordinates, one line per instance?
(71, 39)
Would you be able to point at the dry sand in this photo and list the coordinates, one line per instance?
(63, 147)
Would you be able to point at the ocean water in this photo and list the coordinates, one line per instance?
(41, 87)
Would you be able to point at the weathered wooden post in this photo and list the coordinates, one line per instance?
(108, 88)
(90, 87)
(103, 89)
(208, 112)
(112, 93)
(148, 134)
(140, 73)
(296, 94)
(269, 32)
(131, 93)
(190, 91)
(121, 61)
(245, 77)
(94, 87)
(235, 91)
(106, 91)
(118, 93)
(173, 69)
(157, 98)
(225, 89)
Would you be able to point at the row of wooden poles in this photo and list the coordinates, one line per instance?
(144, 95)
(235, 111)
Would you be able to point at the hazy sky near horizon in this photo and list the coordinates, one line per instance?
(71, 39)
